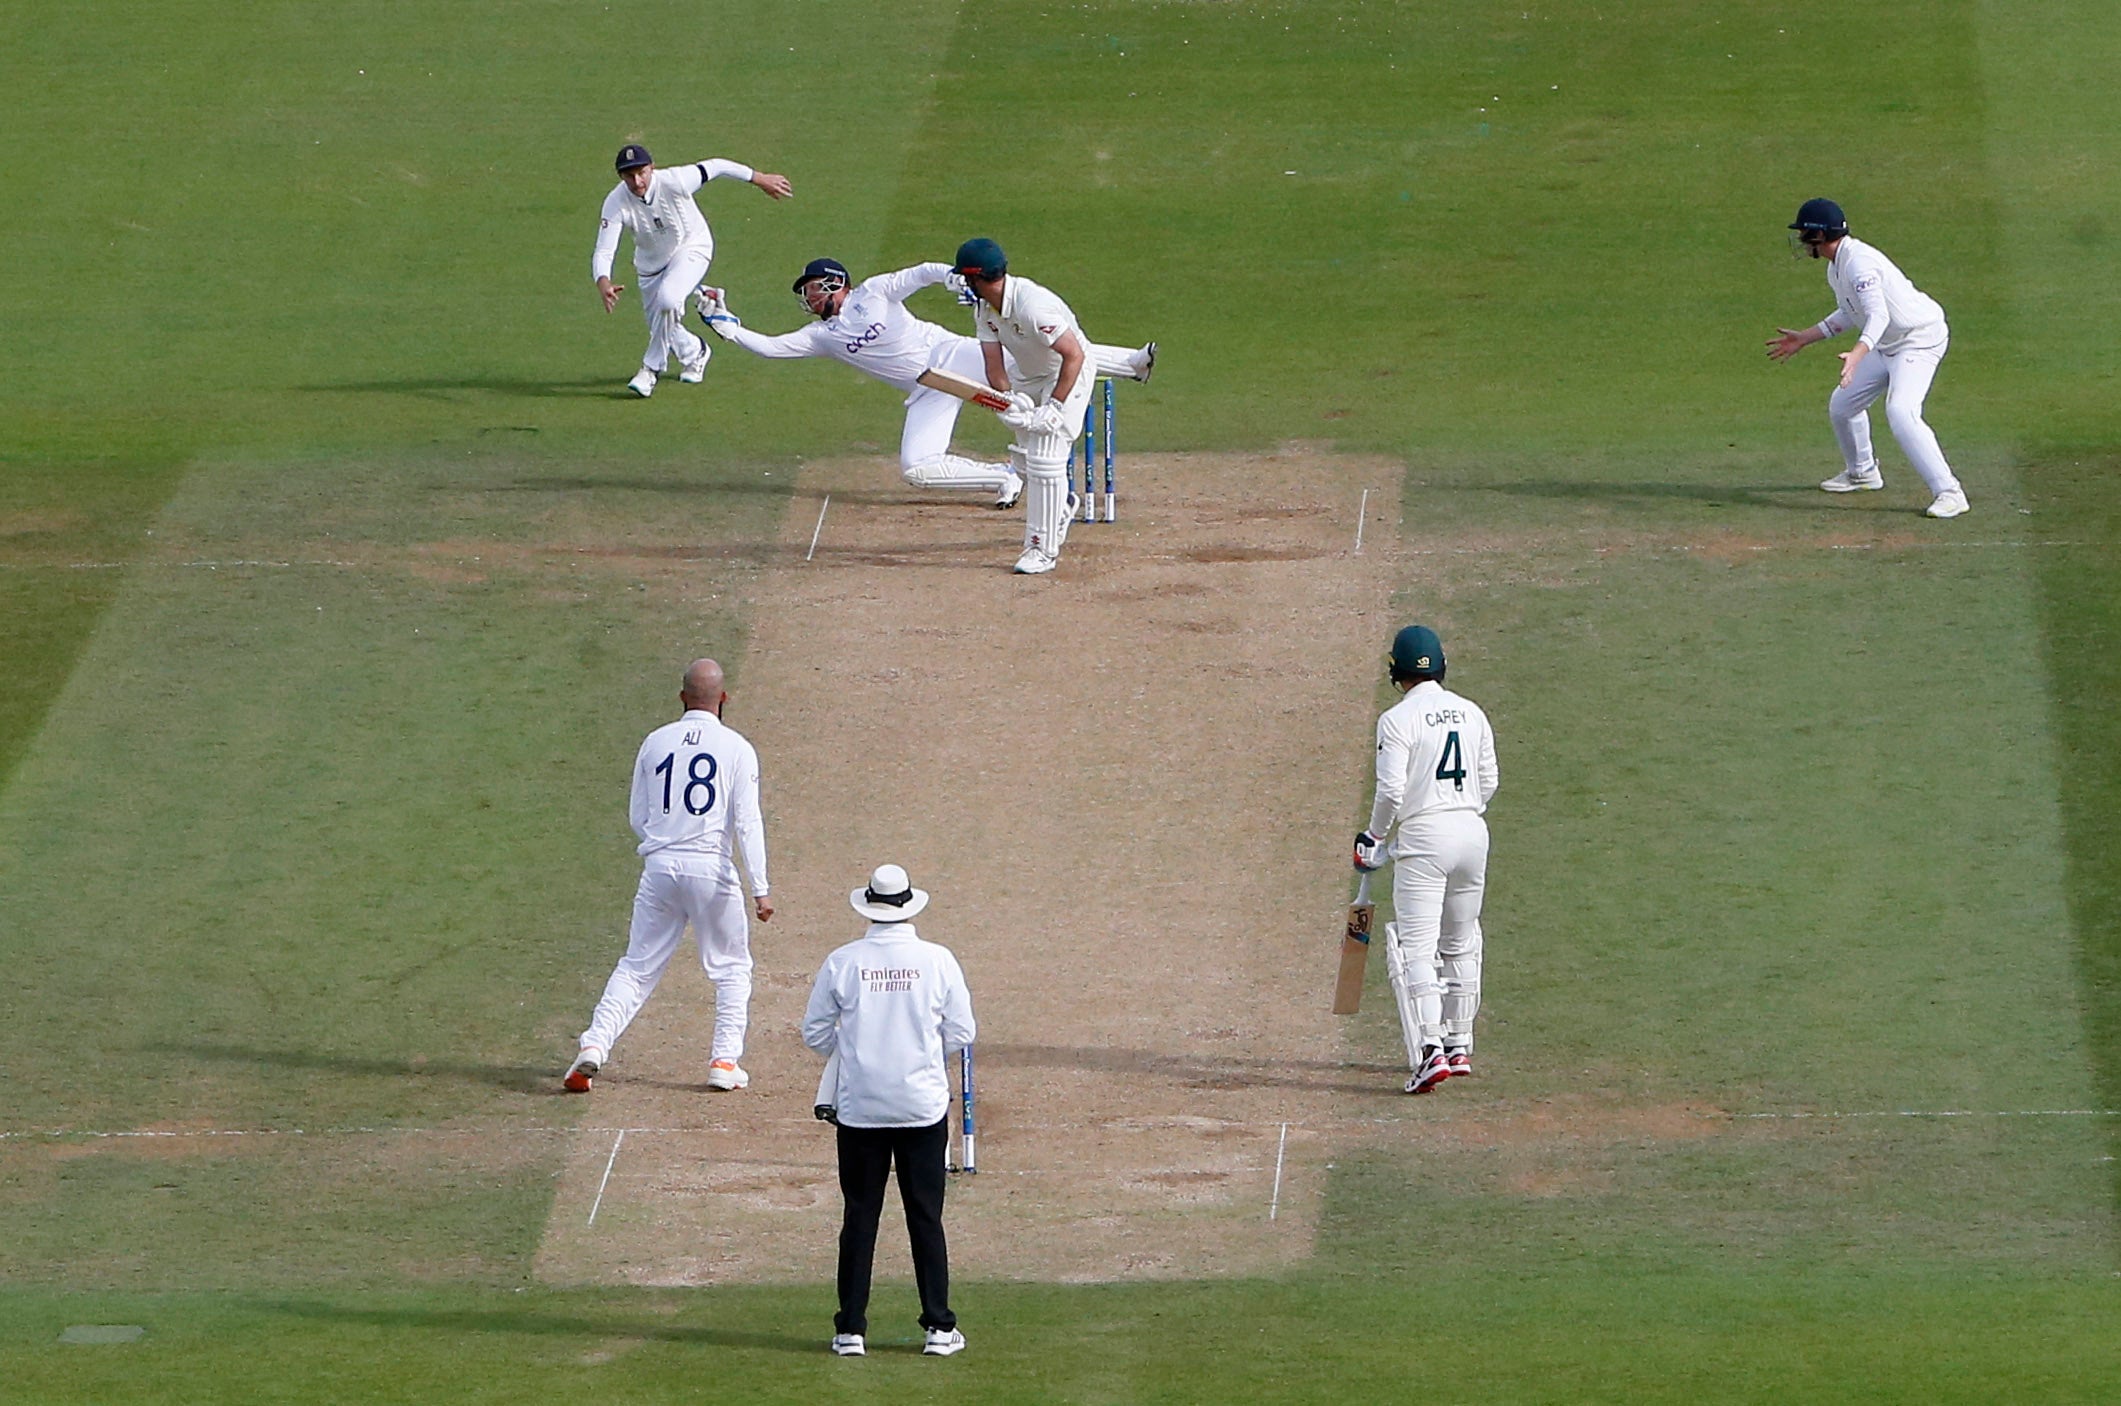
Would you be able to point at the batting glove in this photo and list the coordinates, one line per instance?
(1368, 857)
(1021, 415)
(1050, 419)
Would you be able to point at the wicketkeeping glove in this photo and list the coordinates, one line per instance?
(714, 311)
(955, 282)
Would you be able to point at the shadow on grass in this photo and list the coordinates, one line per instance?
(444, 387)
(1788, 497)
(530, 1322)
(1204, 1072)
(517, 1078)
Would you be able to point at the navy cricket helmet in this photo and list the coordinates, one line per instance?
(1821, 217)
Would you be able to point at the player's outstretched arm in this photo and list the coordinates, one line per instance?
(774, 185)
(1792, 341)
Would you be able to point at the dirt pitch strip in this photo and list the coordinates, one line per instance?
(1129, 787)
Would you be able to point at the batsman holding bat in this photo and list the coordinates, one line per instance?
(1435, 775)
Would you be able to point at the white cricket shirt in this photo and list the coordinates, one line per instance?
(696, 797)
(666, 221)
(1435, 752)
(893, 1005)
(1877, 298)
(872, 331)
(1031, 320)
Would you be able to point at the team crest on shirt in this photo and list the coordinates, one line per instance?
(1049, 331)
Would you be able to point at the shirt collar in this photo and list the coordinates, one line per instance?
(877, 929)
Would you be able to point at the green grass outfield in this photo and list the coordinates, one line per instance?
(307, 743)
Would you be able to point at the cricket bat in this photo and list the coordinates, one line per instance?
(974, 391)
(1354, 951)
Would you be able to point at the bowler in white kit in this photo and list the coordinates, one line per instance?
(695, 807)
(672, 247)
(1436, 773)
(1901, 338)
(867, 326)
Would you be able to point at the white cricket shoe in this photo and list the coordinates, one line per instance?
(724, 1077)
(1434, 1070)
(943, 1342)
(1950, 503)
(1036, 561)
(1148, 363)
(583, 1070)
(694, 372)
(1011, 492)
(643, 385)
(849, 1345)
(1848, 481)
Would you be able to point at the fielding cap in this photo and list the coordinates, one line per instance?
(1417, 653)
(631, 155)
(821, 268)
(982, 257)
(1821, 216)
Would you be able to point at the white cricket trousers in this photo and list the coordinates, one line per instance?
(671, 896)
(924, 457)
(1439, 876)
(663, 298)
(1903, 377)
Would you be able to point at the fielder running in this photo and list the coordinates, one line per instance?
(1901, 338)
(672, 247)
(1033, 348)
(867, 326)
(695, 801)
(1435, 775)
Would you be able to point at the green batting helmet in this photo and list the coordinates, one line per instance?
(981, 258)
(1417, 654)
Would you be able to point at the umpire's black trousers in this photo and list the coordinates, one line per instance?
(866, 1155)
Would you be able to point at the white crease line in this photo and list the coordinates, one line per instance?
(1280, 1151)
(815, 532)
(1497, 1113)
(621, 1138)
(1945, 1113)
(1647, 548)
(1362, 515)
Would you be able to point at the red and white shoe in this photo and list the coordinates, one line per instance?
(1434, 1070)
(1460, 1061)
(583, 1070)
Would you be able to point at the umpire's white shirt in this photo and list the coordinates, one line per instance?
(1030, 321)
(1435, 753)
(1873, 295)
(696, 798)
(663, 222)
(892, 1005)
(872, 331)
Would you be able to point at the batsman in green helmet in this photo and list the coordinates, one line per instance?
(1436, 773)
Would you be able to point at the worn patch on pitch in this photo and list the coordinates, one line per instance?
(1128, 785)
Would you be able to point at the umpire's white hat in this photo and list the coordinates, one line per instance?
(890, 897)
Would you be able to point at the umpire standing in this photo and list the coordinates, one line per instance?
(888, 1008)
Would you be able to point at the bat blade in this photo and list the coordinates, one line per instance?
(1354, 952)
(963, 389)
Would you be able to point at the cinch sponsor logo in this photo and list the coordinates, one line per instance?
(868, 336)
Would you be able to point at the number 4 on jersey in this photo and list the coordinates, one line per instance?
(1451, 766)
